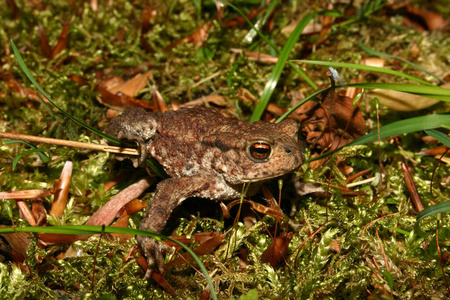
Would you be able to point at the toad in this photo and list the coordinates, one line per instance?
(206, 155)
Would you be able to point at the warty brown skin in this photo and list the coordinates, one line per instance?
(206, 155)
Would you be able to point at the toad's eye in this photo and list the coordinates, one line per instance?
(260, 150)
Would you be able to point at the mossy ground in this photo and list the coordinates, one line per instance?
(109, 41)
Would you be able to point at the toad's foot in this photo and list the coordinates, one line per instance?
(134, 125)
(154, 251)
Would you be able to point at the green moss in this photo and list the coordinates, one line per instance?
(107, 41)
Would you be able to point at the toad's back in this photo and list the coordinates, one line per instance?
(197, 140)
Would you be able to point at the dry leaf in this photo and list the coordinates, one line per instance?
(333, 123)
(122, 222)
(272, 108)
(311, 28)
(26, 194)
(256, 56)
(440, 150)
(110, 184)
(108, 212)
(158, 101)
(373, 62)
(240, 20)
(443, 159)
(53, 238)
(277, 251)
(432, 20)
(39, 212)
(62, 190)
(401, 101)
(62, 40)
(209, 242)
(259, 208)
(415, 197)
(197, 38)
(18, 88)
(148, 12)
(214, 99)
(271, 202)
(26, 212)
(120, 101)
(19, 243)
(44, 44)
(130, 87)
(119, 94)
(353, 177)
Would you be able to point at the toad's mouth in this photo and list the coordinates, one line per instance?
(276, 170)
(265, 177)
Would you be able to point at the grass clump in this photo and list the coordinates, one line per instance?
(343, 246)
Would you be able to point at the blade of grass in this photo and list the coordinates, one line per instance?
(92, 229)
(272, 45)
(40, 152)
(381, 54)
(433, 210)
(434, 92)
(303, 75)
(151, 162)
(404, 232)
(405, 126)
(397, 128)
(34, 82)
(284, 116)
(442, 207)
(278, 68)
(362, 67)
(44, 157)
(365, 11)
(198, 8)
(260, 23)
(440, 136)
(262, 36)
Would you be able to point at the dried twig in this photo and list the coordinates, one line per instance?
(105, 148)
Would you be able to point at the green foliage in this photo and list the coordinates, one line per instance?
(321, 253)
(344, 259)
(34, 149)
(440, 136)
(12, 281)
(251, 295)
(377, 53)
(278, 68)
(398, 127)
(362, 67)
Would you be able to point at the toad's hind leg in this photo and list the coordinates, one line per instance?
(169, 194)
(135, 125)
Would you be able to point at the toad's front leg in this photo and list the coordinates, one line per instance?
(135, 125)
(169, 194)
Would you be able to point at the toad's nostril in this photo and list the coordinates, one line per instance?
(288, 151)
